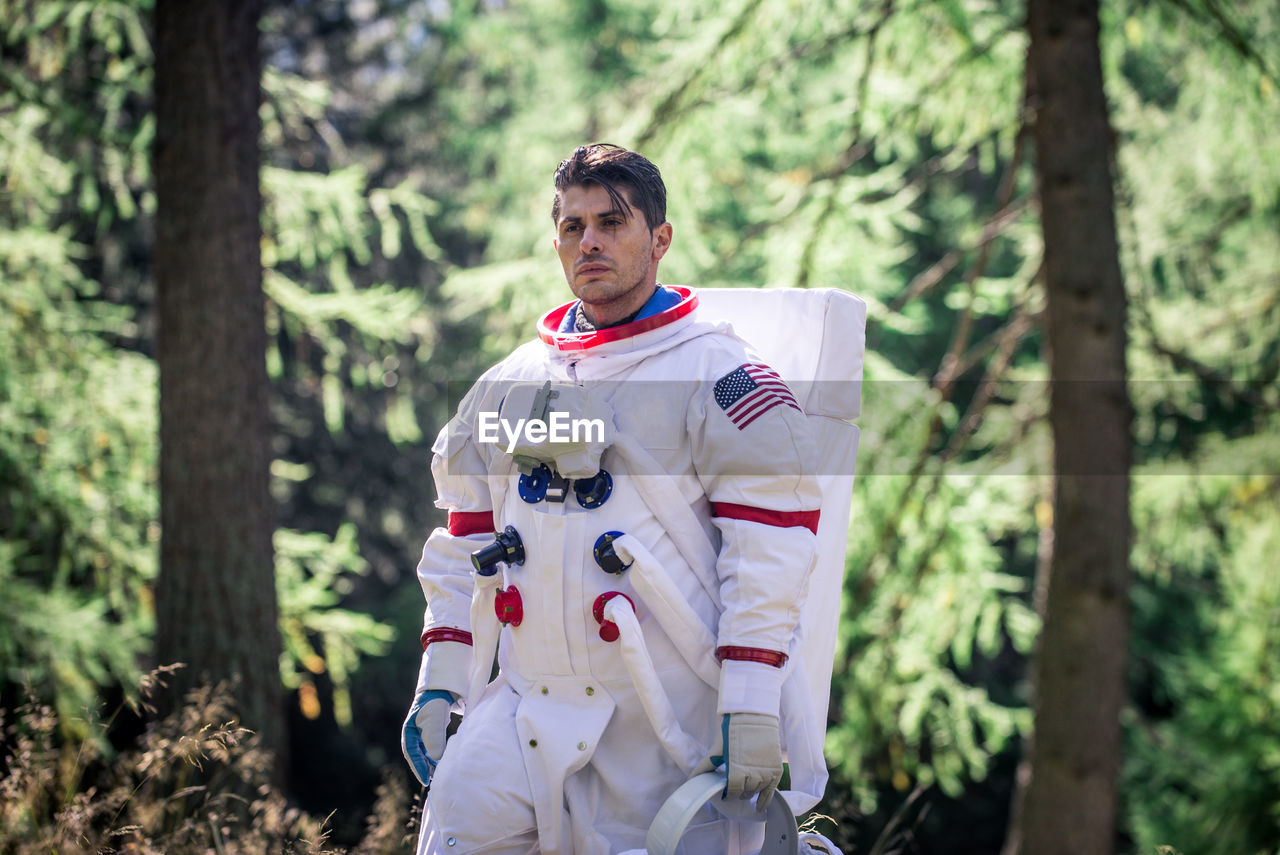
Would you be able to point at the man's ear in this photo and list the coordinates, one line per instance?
(662, 240)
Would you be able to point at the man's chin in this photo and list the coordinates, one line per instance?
(595, 293)
(594, 286)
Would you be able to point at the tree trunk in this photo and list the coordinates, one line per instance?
(215, 598)
(1067, 798)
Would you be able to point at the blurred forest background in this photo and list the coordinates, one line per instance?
(880, 146)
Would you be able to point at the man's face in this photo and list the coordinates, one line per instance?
(610, 257)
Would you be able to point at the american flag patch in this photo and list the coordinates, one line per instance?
(749, 391)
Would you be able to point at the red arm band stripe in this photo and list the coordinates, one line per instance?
(751, 654)
(463, 523)
(781, 519)
(445, 633)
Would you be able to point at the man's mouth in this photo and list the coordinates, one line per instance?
(593, 269)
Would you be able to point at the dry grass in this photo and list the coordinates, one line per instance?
(194, 782)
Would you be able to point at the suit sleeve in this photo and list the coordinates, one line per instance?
(756, 458)
(444, 570)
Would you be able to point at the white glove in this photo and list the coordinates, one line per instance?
(752, 760)
(422, 737)
(442, 679)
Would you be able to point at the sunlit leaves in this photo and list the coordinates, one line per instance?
(77, 461)
(867, 145)
(77, 418)
(506, 299)
(1206, 773)
(78, 530)
(933, 597)
(320, 637)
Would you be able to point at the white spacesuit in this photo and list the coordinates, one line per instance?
(648, 584)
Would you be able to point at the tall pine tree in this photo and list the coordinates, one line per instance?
(1068, 795)
(216, 596)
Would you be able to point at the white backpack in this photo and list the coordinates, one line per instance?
(815, 339)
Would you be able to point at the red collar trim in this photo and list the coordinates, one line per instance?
(549, 324)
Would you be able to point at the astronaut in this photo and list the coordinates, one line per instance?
(631, 530)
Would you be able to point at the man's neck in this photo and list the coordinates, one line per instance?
(585, 314)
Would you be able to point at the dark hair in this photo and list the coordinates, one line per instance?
(611, 167)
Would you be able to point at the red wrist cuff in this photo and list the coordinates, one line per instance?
(751, 654)
(445, 633)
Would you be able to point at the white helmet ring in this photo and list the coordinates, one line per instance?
(780, 834)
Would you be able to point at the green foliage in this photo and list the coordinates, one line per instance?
(313, 573)
(77, 460)
(873, 147)
(1200, 223)
(1205, 773)
(506, 298)
(78, 409)
(354, 339)
(931, 598)
(77, 448)
(1202, 230)
(879, 147)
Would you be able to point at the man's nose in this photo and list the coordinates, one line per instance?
(590, 243)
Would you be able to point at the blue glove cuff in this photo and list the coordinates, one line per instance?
(432, 695)
(424, 765)
(718, 760)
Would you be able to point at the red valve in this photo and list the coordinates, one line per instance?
(608, 629)
(508, 606)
